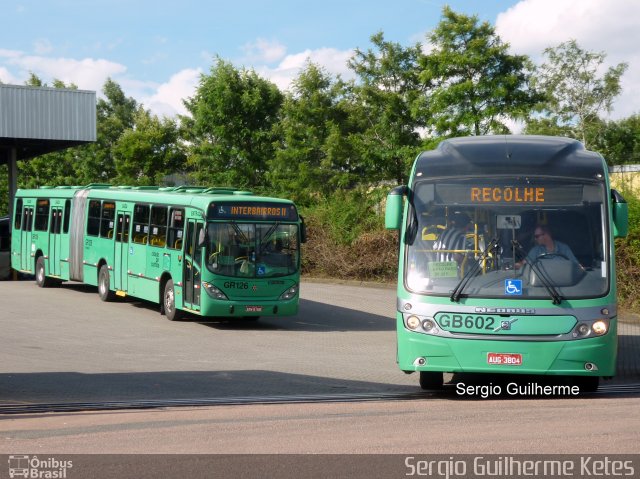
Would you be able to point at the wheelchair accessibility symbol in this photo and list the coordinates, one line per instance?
(513, 287)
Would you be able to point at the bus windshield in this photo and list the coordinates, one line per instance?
(252, 250)
(507, 237)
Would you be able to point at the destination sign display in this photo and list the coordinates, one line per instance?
(487, 194)
(252, 211)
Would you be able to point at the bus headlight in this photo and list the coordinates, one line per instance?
(583, 329)
(290, 293)
(214, 292)
(429, 325)
(600, 327)
(413, 323)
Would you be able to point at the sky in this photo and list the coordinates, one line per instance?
(157, 50)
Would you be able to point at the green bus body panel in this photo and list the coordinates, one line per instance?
(139, 269)
(454, 158)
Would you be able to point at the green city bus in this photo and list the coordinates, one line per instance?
(486, 304)
(164, 245)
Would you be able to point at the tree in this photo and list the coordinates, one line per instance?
(115, 115)
(618, 141)
(575, 94)
(314, 155)
(231, 126)
(477, 84)
(389, 100)
(144, 155)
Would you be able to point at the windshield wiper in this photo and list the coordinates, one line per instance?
(472, 272)
(553, 292)
(239, 232)
(267, 236)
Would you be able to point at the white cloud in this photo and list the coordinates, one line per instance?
(167, 97)
(612, 27)
(264, 51)
(332, 60)
(42, 46)
(88, 73)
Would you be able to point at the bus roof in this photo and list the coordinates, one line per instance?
(195, 196)
(511, 155)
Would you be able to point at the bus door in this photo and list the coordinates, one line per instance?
(121, 253)
(55, 228)
(26, 260)
(193, 264)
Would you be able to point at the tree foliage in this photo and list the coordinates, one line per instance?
(230, 129)
(476, 84)
(576, 94)
(389, 100)
(314, 155)
(148, 153)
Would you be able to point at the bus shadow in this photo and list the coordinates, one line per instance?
(312, 316)
(73, 387)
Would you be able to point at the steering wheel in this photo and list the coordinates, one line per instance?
(550, 255)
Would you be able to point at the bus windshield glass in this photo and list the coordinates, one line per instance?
(252, 250)
(511, 238)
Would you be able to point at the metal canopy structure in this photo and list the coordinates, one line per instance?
(39, 120)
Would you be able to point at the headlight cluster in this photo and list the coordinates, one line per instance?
(214, 292)
(290, 293)
(421, 325)
(597, 328)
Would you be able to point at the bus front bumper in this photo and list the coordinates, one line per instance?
(584, 357)
(231, 308)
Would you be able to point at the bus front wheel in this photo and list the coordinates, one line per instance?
(169, 302)
(430, 380)
(41, 276)
(104, 287)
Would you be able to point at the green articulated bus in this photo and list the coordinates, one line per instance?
(165, 245)
(507, 260)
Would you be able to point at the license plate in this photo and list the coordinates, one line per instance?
(253, 309)
(504, 359)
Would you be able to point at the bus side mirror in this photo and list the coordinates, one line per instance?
(620, 215)
(393, 211)
(303, 231)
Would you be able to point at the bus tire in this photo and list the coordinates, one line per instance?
(104, 285)
(41, 275)
(169, 302)
(430, 380)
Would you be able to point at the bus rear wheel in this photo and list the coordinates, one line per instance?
(104, 286)
(41, 275)
(169, 302)
(430, 380)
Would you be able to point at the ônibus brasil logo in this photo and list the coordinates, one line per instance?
(35, 468)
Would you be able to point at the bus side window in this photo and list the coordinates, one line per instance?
(93, 218)
(176, 228)
(42, 215)
(107, 219)
(67, 215)
(141, 224)
(18, 215)
(158, 226)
